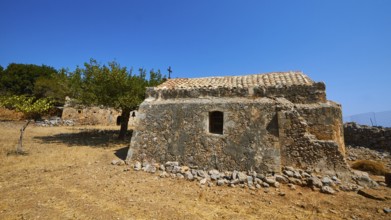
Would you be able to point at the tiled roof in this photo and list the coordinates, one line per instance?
(247, 81)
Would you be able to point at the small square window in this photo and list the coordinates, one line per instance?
(216, 122)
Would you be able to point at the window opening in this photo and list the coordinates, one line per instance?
(216, 122)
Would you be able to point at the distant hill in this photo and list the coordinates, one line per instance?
(371, 118)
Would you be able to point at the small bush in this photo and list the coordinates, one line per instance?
(30, 106)
(373, 167)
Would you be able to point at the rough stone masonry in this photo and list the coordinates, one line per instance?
(259, 122)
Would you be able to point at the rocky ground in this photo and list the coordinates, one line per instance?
(362, 153)
(68, 174)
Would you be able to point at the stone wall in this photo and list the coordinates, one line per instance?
(269, 121)
(303, 147)
(179, 131)
(297, 94)
(378, 138)
(261, 134)
(91, 115)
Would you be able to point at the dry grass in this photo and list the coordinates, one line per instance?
(373, 167)
(67, 175)
(9, 115)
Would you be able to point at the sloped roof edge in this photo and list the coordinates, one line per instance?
(290, 78)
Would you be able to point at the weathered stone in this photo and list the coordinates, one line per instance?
(164, 174)
(336, 180)
(287, 112)
(169, 168)
(184, 169)
(253, 174)
(176, 169)
(235, 174)
(264, 184)
(327, 190)
(295, 181)
(137, 166)
(202, 173)
(377, 138)
(297, 175)
(162, 167)
(188, 175)
(387, 210)
(149, 168)
(306, 175)
(260, 176)
(180, 176)
(242, 177)
(203, 181)
(288, 173)
(363, 179)
(314, 182)
(96, 115)
(326, 181)
(220, 182)
(145, 163)
(258, 186)
(214, 171)
(214, 174)
(289, 168)
(250, 181)
(172, 163)
(118, 162)
(270, 180)
(235, 181)
(281, 179)
(258, 181)
(349, 187)
(227, 175)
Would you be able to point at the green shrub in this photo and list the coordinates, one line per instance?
(31, 107)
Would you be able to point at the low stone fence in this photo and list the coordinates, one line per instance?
(378, 138)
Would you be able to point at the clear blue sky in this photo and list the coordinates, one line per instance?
(345, 43)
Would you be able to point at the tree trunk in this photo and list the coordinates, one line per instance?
(19, 147)
(124, 123)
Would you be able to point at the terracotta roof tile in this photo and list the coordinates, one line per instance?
(262, 80)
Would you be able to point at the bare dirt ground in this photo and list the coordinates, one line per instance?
(67, 175)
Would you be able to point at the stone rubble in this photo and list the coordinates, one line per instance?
(54, 121)
(252, 180)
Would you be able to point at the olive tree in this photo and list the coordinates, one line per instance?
(113, 86)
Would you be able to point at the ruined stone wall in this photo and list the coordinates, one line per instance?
(378, 138)
(324, 121)
(301, 144)
(91, 115)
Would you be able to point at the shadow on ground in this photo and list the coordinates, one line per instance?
(122, 153)
(91, 138)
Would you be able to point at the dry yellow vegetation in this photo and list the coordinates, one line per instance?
(67, 175)
(374, 167)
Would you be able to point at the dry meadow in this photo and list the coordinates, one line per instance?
(67, 175)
